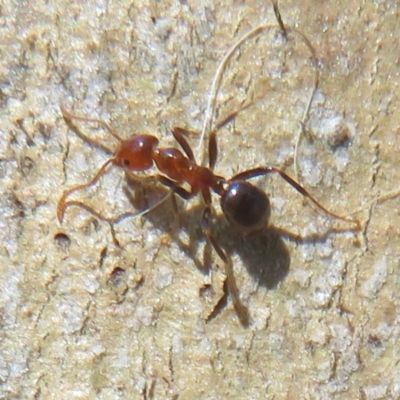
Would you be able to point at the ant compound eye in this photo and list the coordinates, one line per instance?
(246, 207)
(126, 163)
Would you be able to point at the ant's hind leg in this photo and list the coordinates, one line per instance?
(240, 309)
(261, 171)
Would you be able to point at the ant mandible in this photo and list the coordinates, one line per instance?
(246, 207)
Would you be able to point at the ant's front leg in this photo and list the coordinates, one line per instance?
(63, 203)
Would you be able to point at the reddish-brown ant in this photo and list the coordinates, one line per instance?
(245, 206)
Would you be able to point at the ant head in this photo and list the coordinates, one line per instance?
(136, 154)
(246, 207)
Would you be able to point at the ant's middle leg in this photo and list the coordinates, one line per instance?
(240, 309)
(174, 186)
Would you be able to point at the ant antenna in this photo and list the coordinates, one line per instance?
(66, 114)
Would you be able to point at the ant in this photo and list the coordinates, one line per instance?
(245, 206)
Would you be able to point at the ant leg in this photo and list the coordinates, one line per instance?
(133, 178)
(212, 141)
(151, 179)
(62, 204)
(66, 114)
(180, 191)
(175, 211)
(147, 180)
(119, 218)
(261, 171)
(240, 309)
(178, 135)
(212, 147)
(95, 213)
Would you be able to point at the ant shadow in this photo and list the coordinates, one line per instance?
(265, 254)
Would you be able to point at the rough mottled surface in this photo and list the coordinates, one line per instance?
(82, 318)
